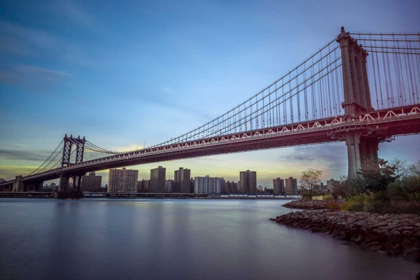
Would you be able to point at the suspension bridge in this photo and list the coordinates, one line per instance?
(360, 88)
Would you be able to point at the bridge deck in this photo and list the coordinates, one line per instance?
(397, 121)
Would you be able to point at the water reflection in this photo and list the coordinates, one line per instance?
(174, 239)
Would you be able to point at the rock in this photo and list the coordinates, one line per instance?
(308, 204)
(412, 255)
(391, 234)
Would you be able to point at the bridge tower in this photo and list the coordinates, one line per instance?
(360, 147)
(79, 146)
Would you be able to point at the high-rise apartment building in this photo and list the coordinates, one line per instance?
(143, 186)
(225, 187)
(248, 181)
(157, 180)
(291, 186)
(278, 186)
(207, 185)
(169, 186)
(232, 187)
(122, 180)
(91, 183)
(182, 178)
(192, 185)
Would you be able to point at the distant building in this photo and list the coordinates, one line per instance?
(224, 186)
(157, 180)
(232, 187)
(248, 181)
(278, 186)
(207, 185)
(169, 186)
(53, 187)
(268, 191)
(291, 186)
(324, 188)
(122, 180)
(143, 186)
(91, 183)
(192, 185)
(330, 185)
(182, 179)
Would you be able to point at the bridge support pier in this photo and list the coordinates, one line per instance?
(18, 185)
(33, 186)
(64, 189)
(360, 150)
(369, 149)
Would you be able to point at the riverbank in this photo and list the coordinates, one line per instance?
(143, 195)
(307, 204)
(390, 234)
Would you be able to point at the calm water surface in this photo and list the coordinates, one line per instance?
(174, 239)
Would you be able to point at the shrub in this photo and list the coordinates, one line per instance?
(327, 197)
(333, 205)
(407, 189)
(378, 202)
(378, 174)
(349, 187)
(355, 203)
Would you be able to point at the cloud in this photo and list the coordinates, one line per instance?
(24, 155)
(13, 46)
(31, 77)
(10, 172)
(75, 12)
(25, 41)
(129, 148)
(22, 36)
(332, 157)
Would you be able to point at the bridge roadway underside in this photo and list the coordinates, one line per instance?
(398, 127)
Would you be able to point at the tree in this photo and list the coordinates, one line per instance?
(378, 175)
(348, 187)
(310, 179)
(401, 169)
(414, 169)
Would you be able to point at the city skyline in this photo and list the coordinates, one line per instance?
(75, 75)
(183, 176)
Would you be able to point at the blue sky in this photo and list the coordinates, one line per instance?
(145, 71)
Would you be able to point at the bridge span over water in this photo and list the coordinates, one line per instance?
(360, 88)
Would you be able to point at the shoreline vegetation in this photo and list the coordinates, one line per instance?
(378, 209)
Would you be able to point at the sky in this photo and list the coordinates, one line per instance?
(137, 73)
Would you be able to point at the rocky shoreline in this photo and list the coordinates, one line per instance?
(307, 204)
(389, 234)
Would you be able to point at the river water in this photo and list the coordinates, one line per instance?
(174, 239)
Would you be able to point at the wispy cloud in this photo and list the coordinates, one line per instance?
(23, 36)
(76, 13)
(129, 148)
(24, 155)
(25, 41)
(31, 77)
(332, 157)
(10, 171)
